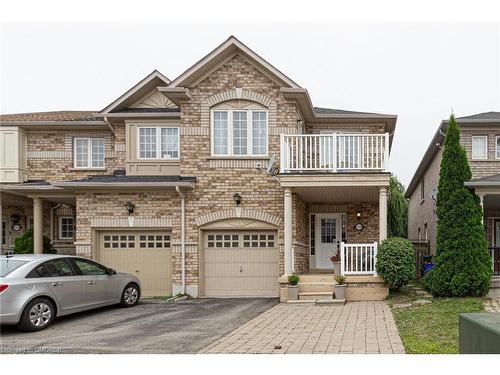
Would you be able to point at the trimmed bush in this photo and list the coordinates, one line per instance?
(396, 262)
(463, 265)
(24, 244)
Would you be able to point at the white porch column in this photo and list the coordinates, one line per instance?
(288, 253)
(382, 213)
(37, 226)
(481, 201)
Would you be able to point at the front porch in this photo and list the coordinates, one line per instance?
(339, 216)
(46, 210)
(333, 224)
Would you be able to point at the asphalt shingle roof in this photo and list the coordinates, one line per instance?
(331, 111)
(50, 116)
(482, 116)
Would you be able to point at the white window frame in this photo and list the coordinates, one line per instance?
(89, 153)
(496, 147)
(230, 143)
(485, 137)
(61, 237)
(158, 142)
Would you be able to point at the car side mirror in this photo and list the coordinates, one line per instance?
(111, 271)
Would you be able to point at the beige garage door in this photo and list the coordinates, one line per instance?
(241, 264)
(146, 255)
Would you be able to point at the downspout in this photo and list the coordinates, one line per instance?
(52, 210)
(183, 238)
(109, 125)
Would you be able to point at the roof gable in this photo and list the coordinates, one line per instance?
(138, 92)
(219, 56)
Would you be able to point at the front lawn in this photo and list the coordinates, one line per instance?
(430, 328)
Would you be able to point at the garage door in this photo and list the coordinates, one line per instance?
(241, 264)
(146, 255)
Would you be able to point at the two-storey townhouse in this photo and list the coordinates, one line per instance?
(218, 183)
(480, 136)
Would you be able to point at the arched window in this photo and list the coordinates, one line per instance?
(239, 128)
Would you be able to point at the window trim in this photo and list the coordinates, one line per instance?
(89, 153)
(230, 143)
(60, 227)
(485, 147)
(496, 147)
(158, 142)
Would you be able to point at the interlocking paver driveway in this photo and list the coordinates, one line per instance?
(356, 327)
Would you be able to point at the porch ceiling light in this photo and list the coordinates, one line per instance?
(237, 199)
(130, 207)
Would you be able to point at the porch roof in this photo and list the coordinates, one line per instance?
(488, 181)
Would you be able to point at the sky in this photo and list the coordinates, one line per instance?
(420, 72)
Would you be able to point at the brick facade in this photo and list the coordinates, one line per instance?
(50, 158)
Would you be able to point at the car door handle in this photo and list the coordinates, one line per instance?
(91, 282)
(56, 284)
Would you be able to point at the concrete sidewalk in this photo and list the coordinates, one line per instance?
(357, 327)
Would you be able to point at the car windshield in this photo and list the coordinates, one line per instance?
(9, 265)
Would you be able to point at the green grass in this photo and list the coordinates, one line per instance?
(431, 328)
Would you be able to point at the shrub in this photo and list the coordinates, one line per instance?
(396, 262)
(293, 279)
(463, 265)
(24, 244)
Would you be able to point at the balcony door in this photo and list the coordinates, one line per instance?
(328, 237)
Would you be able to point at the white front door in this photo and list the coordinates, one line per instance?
(328, 235)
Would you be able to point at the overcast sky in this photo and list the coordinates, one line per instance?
(419, 72)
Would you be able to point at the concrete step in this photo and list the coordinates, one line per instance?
(316, 287)
(495, 282)
(315, 295)
(317, 278)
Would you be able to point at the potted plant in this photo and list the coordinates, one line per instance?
(293, 288)
(335, 259)
(340, 287)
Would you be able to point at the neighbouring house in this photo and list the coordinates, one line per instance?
(217, 183)
(480, 136)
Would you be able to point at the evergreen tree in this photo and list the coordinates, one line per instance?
(462, 265)
(397, 209)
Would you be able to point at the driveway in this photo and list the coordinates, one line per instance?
(356, 327)
(150, 327)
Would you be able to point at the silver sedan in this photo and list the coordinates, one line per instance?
(34, 289)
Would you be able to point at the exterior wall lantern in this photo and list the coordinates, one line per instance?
(237, 199)
(130, 207)
(358, 215)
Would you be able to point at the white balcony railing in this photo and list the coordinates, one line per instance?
(358, 259)
(334, 152)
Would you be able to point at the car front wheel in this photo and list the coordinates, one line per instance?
(37, 315)
(130, 295)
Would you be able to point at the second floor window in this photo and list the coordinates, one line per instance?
(89, 152)
(479, 147)
(239, 133)
(158, 143)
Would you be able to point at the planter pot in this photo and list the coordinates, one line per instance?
(340, 291)
(336, 268)
(293, 292)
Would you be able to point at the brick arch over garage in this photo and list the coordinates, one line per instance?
(238, 94)
(236, 213)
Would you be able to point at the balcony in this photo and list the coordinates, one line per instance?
(334, 152)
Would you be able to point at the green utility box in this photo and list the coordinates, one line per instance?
(479, 333)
